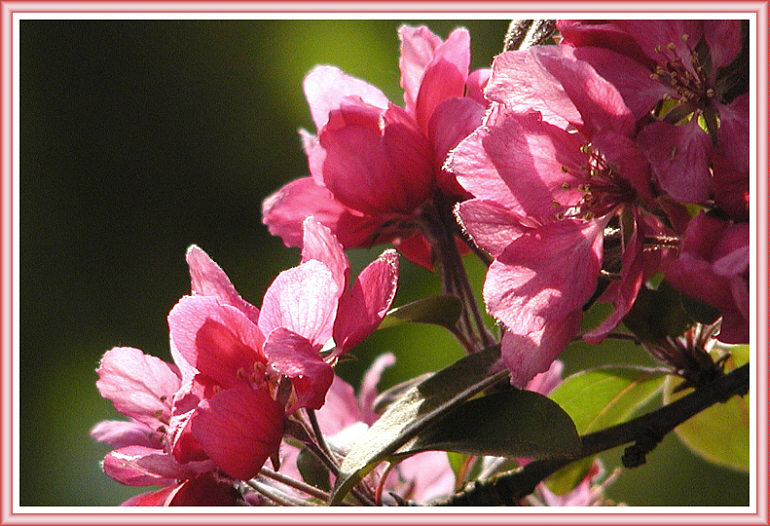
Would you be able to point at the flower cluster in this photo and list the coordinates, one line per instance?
(588, 170)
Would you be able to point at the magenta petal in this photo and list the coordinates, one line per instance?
(357, 168)
(204, 490)
(239, 429)
(138, 385)
(151, 498)
(319, 243)
(734, 132)
(444, 76)
(295, 357)
(622, 153)
(284, 211)
(326, 86)
(219, 340)
(417, 48)
(545, 274)
(679, 158)
(304, 300)
(492, 227)
(476, 83)
(653, 34)
(362, 308)
(208, 279)
(528, 354)
(142, 466)
(120, 433)
(724, 41)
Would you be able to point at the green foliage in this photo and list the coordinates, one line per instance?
(312, 470)
(600, 398)
(421, 406)
(720, 434)
(511, 423)
(657, 313)
(443, 310)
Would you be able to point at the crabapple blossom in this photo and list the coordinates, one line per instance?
(375, 165)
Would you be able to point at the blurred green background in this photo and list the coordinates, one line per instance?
(139, 138)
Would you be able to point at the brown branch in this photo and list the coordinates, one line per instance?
(645, 432)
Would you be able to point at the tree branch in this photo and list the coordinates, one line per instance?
(645, 431)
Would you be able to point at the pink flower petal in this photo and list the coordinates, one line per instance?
(340, 410)
(151, 498)
(120, 433)
(320, 244)
(369, 386)
(362, 308)
(218, 339)
(415, 248)
(734, 134)
(304, 300)
(545, 274)
(296, 358)
(284, 211)
(417, 48)
(724, 41)
(444, 76)
(546, 381)
(476, 83)
(138, 385)
(208, 279)
(452, 121)
(679, 158)
(326, 86)
(528, 354)
(204, 490)
(142, 466)
(239, 429)
(491, 226)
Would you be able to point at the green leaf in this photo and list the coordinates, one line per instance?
(443, 310)
(600, 398)
(511, 423)
(312, 470)
(421, 406)
(720, 434)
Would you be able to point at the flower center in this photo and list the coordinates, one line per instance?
(602, 188)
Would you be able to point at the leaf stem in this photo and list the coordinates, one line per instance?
(296, 484)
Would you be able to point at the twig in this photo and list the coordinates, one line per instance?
(527, 33)
(296, 484)
(279, 497)
(645, 431)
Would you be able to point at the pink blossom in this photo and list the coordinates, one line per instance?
(374, 165)
(233, 407)
(717, 252)
(673, 72)
(553, 167)
(143, 387)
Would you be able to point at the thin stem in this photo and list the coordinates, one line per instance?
(279, 497)
(645, 431)
(296, 484)
(319, 436)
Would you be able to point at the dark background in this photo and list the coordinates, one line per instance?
(139, 138)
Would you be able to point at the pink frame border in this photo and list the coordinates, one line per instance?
(11, 514)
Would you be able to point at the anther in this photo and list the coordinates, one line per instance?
(658, 49)
(555, 204)
(654, 76)
(565, 185)
(710, 93)
(685, 36)
(671, 46)
(564, 169)
(673, 153)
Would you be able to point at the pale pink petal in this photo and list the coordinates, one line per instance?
(138, 385)
(679, 158)
(428, 475)
(239, 429)
(326, 86)
(218, 339)
(546, 381)
(369, 386)
(340, 410)
(417, 48)
(304, 300)
(491, 226)
(208, 279)
(296, 358)
(528, 354)
(444, 76)
(121, 433)
(315, 156)
(544, 274)
(320, 244)
(284, 211)
(142, 466)
(363, 307)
